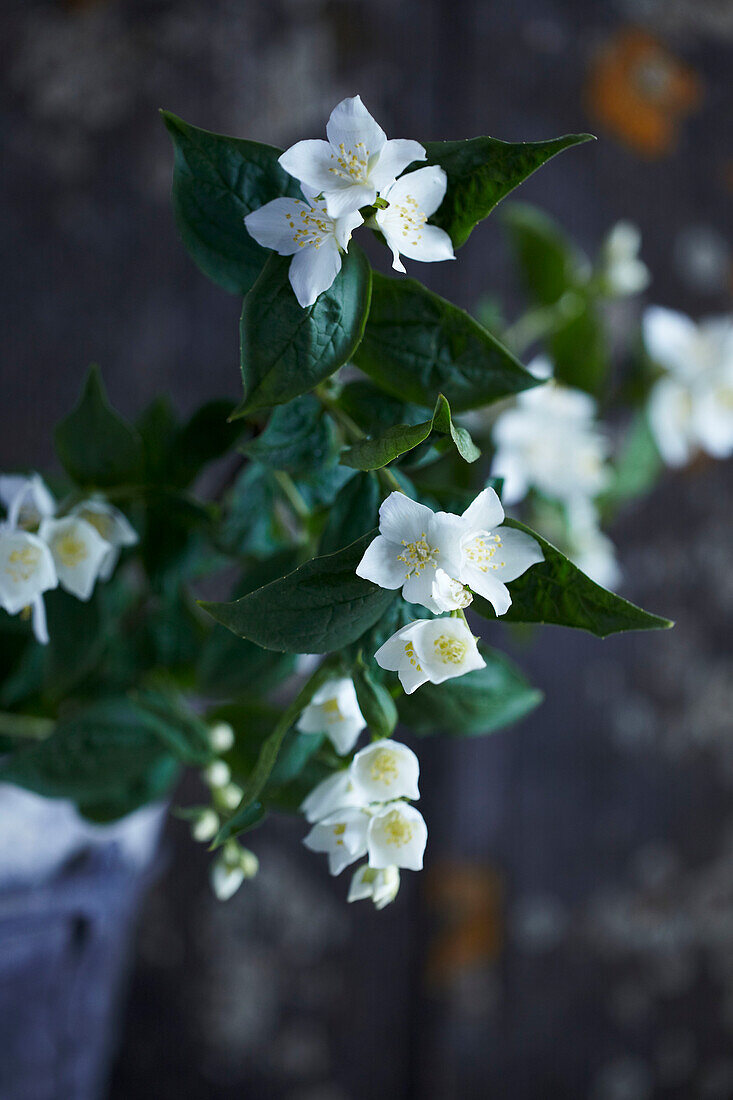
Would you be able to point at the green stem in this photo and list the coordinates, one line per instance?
(536, 324)
(292, 494)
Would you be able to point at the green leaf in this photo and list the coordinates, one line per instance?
(208, 435)
(556, 274)
(267, 758)
(637, 468)
(417, 345)
(181, 731)
(25, 727)
(251, 524)
(298, 438)
(105, 751)
(97, 448)
(482, 171)
(352, 514)
(320, 607)
(556, 591)
(373, 410)
(372, 454)
(157, 427)
(217, 180)
(375, 702)
(479, 702)
(78, 638)
(287, 350)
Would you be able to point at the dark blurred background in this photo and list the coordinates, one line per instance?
(572, 936)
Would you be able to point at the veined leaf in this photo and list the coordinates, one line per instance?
(97, 448)
(372, 454)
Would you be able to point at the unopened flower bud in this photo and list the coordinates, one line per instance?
(217, 774)
(230, 796)
(222, 737)
(205, 826)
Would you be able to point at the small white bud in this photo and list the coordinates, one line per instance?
(217, 774)
(205, 826)
(222, 737)
(230, 796)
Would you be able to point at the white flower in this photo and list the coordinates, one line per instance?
(332, 794)
(27, 570)
(381, 885)
(334, 710)
(396, 837)
(415, 544)
(342, 835)
(385, 770)
(112, 525)
(355, 164)
(231, 868)
(79, 552)
(430, 649)
(589, 548)
(449, 594)
(26, 499)
(549, 441)
(691, 407)
(412, 199)
(622, 270)
(305, 231)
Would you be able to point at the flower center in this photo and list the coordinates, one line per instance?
(351, 164)
(383, 768)
(22, 564)
(311, 226)
(338, 832)
(396, 829)
(480, 552)
(332, 710)
(71, 550)
(100, 523)
(417, 555)
(450, 650)
(412, 218)
(412, 656)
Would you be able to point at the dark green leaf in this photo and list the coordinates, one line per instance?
(180, 730)
(373, 410)
(298, 438)
(25, 727)
(287, 350)
(353, 513)
(97, 448)
(555, 591)
(205, 437)
(479, 702)
(319, 608)
(217, 180)
(157, 427)
(482, 171)
(77, 640)
(375, 702)
(417, 345)
(372, 454)
(251, 524)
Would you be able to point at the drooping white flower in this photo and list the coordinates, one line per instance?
(334, 710)
(549, 440)
(396, 837)
(404, 222)
(112, 525)
(622, 270)
(449, 594)
(205, 825)
(384, 771)
(412, 544)
(355, 164)
(27, 570)
(27, 500)
(342, 836)
(337, 792)
(379, 884)
(231, 868)
(415, 543)
(78, 550)
(430, 650)
(307, 232)
(691, 407)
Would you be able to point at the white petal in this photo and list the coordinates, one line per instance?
(426, 186)
(274, 225)
(396, 155)
(412, 678)
(508, 466)
(350, 124)
(515, 554)
(397, 836)
(485, 512)
(431, 245)
(448, 593)
(670, 418)
(112, 524)
(488, 586)
(401, 518)
(344, 226)
(445, 532)
(333, 794)
(344, 735)
(26, 570)
(418, 589)
(391, 654)
(380, 564)
(225, 880)
(26, 499)
(40, 627)
(385, 770)
(78, 552)
(446, 648)
(347, 200)
(670, 339)
(311, 163)
(313, 270)
(342, 836)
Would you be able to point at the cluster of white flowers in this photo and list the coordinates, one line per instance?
(440, 560)
(363, 810)
(550, 441)
(356, 167)
(40, 550)
(691, 406)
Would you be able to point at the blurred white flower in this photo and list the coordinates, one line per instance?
(588, 547)
(27, 500)
(621, 269)
(334, 710)
(385, 770)
(112, 525)
(341, 835)
(404, 222)
(550, 441)
(379, 884)
(205, 825)
(396, 837)
(691, 406)
(231, 868)
(332, 794)
(430, 650)
(79, 553)
(27, 570)
(355, 164)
